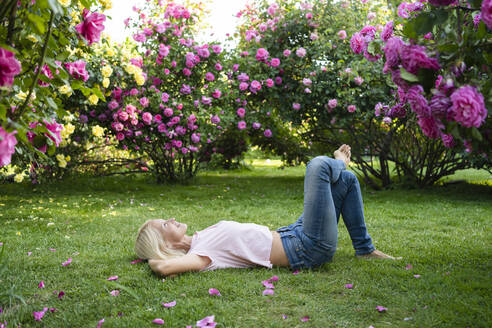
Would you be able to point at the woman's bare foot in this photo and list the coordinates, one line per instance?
(378, 255)
(343, 154)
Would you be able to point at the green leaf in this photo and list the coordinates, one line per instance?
(476, 134)
(38, 22)
(77, 84)
(86, 3)
(51, 102)
(55, 6)
(409, 30)
(51, 150)
(98, 93)
(407, 76)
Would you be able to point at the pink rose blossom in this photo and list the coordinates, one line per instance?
(332, 103)
(486, 13)
(447, 140)
(357, 43)
(67, 262)
(286, 53)
(387, 31)
(209, 76)
(296, 106)
(9, 67)
(430, 126)
(7, 146)
(256, 125)
(301, 52)
(342, 35)
(358, 80)
(243, 86)
(267, 292)
(269, 83)
(262, 54)
(92, 26)
(144, 102)
(41, 284)
(468, 107)
(267, 133)
(240, 112)
(147, 118)
(351, 108)
(241, 125)
(275, 62)
(77, 70)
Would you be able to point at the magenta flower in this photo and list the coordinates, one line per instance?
(305, 319)
(9, 67)
(7, 146)
(168, 305)
(41, 284)
(113, 278)
(207, 322)
(39, 315)
(468, 107)
(158, 321)
(296, 272)
(100, 323)
(243, 86)
(268, 292)
(275, 62)
(92, 26)
(414, 57)
(387, 31)
(215, 119)
(447, 140)
(381, 308)
(115, 292)
(417, 101)
(301, 52)
(144, 101)
(278, 80)
(61, 294)
(357, 43)
(272, 278)
(430, 126)
(486, 13)
(77, 70)
(262, 54)
(241, 125)
(243, 77)
(284, 316)
(209, 76)
(67, 262)
(255, 86)
(267, 133)
(241, 112)
(216, 94)
(214, 291)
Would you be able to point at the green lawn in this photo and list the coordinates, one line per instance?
(443, 232)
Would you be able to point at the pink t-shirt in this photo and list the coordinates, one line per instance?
(231, 244)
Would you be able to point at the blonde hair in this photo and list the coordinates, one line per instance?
(150, 244)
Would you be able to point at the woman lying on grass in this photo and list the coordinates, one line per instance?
(309, 242)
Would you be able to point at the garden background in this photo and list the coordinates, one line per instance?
(96, 136)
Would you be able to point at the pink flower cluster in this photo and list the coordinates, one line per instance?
(91, 26)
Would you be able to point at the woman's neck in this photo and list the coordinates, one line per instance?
(184, 244)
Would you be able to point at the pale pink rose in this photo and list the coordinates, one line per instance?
(7, 146)
(351, 108)
(342, 34)
(9, 67)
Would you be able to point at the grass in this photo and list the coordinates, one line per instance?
(444, 232)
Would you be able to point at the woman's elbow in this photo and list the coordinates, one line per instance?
(159, 267)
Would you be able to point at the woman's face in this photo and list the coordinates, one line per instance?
(170, 230)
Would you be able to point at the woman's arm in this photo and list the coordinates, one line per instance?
(185, 263)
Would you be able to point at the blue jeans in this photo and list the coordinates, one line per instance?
(328, 191)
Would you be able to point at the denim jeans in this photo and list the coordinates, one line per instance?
(328, 191)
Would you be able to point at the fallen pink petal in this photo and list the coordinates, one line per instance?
(52, 310)
(207, 322)
(41, 284)
(417, 276)
(100, 322)
(273, 278)
(349, 286)
(284, 316)
(61, 294)
(213, 291)
(168, 305)
(113, 278)
(67, 262)
(158, 321)
(304, 319)
(115, 292)
(29, 253)
(295, 272)
(267, 284)
(52, 249)
(39, 315)
(268, 292)
(381, 308)
(136, 261)
(408, 267)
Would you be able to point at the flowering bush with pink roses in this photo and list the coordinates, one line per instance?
(35, 74)
(438, 56)
(175, 104)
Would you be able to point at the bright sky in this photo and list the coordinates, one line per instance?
(221, 19)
